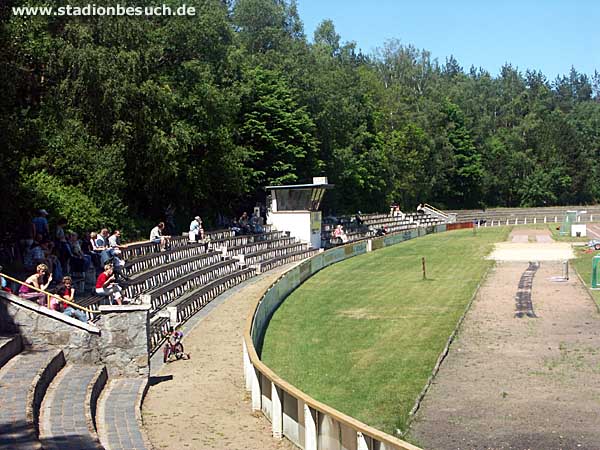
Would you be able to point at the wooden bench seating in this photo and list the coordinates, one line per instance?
(254, 247)
(189, 305)
(286, 259)
(270, 253)
(167, 293)
(165, 273)
(159, 328)
(152, 260)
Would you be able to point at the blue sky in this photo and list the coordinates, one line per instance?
(546, 35)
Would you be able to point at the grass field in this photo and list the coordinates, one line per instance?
(583, 266)
(363, 335)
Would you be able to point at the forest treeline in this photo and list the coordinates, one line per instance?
(110, 120)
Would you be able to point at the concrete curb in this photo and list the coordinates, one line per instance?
(10, 349)
(94, 390)
(39, 386)
(138, 412)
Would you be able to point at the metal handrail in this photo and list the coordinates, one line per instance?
(49, 294)
(433, 208)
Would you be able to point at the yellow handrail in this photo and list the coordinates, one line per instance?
(49, 294)
(433, 208)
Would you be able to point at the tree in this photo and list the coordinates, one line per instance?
(276, 133)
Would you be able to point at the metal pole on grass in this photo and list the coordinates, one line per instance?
(424, 271)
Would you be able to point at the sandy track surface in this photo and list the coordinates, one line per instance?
(519, 383)
(531, 245)
(204, 405)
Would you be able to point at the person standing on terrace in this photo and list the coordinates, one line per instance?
(39, 224)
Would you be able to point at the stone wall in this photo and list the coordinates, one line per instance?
(119, 340)
(126, 340)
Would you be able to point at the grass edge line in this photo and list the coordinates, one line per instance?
(443, 355)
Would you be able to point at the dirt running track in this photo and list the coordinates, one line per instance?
(205, 405)
(519, 383)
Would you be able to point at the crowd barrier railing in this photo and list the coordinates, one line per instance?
(49, 295)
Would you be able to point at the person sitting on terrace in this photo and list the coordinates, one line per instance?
(256, 224)
(420, 209)
(102, 240)
(3, 283)
(106, 286)
(40, 224)
(235, 227)
(115, 239)
(196, 232)
(79, 261)
(67, 291)
(156, 236)
(40, 252)
(244, 223)
(381, 231)
(358, 219)
(37, 281)
(340, 234)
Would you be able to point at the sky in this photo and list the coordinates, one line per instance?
(547, 35)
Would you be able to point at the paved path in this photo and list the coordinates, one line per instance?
(519, 381)
(63, 423)
(17, 430)
(118, 415)
(202, 403)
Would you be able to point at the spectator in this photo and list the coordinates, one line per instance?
(115, 239)
(36, 280)
(420, 209)
(156, 236)
(112, 256)
(382, 231)
(3, 283)
(95, 251)
(358, 219)
(40, 224)
(235, 227)
(61, 242)
(34, 255)
(40, 252)
(106, 286)
(340, 234)
(79, 261)
(67, 291)
(256, 223)
(244, 223)
(102, 240)
(196, 231)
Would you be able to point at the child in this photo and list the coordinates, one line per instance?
(67, 291)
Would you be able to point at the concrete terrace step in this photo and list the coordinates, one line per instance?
(69, 409)
(23, 383)
(119, 416)
(10, 346)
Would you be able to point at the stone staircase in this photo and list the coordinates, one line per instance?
(47, 403)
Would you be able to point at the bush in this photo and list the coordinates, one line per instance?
(61, 200)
